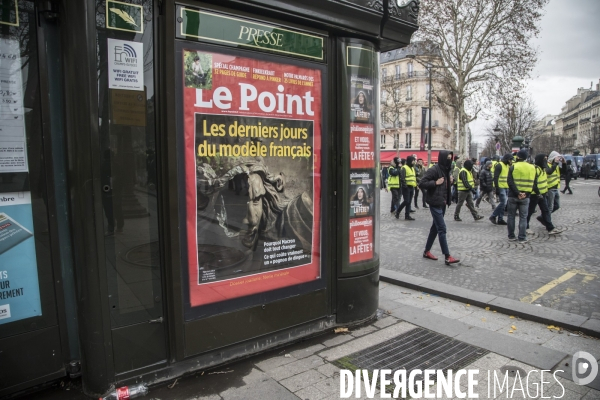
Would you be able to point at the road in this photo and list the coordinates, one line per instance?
(561, 271)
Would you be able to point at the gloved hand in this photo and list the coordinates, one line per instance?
(474, 192)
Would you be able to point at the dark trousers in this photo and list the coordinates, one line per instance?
(546, 219)
(438, 229)
(465, 195)
(407, 193)
(567, 185)
(417, 197)
(395, 199)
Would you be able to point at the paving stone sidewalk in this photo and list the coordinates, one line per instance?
(491, 264)
(306, 371)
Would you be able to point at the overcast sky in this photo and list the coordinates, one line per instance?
(569, 45)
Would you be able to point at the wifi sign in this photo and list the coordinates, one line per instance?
(130, 52)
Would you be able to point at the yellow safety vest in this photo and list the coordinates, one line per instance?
(503, 178)
(524, 175)
(542, 180)
(554, 178)
(409, 176)
(393, 181)
(460, 184)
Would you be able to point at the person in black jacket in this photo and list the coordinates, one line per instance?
(437, 183)
(486, 185)
(568, 176)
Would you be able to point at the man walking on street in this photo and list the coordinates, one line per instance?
(394, 183)
(466, 190)
(408, 182)
(538, 197)
(455, 171)
(568, 176)
(419, 171)
(553, 173)
(486, 184)
(521, 180)
(501, 184)
(436, 182)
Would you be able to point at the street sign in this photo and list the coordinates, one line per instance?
(497, 146)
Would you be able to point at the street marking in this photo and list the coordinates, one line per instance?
(533, 296)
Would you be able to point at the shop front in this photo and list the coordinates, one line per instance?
(183, 184)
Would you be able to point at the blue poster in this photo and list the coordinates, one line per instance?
(19, 288)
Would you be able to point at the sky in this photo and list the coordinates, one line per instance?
(569, 57)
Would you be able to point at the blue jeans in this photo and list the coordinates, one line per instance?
(499, 211)
(438, 228)
(523, 206)
(553, 198)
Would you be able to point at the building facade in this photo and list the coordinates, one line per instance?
(577, 126)
(405, 92)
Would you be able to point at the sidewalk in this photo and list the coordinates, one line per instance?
(310, 369)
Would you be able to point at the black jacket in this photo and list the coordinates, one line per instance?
(486, 180)
(438, 195)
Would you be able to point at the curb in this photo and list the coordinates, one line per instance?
(544, 315)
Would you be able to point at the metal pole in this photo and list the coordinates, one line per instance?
(429, 135)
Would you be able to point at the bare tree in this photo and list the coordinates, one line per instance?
(394, 103)
(516, 117)
(485, 44)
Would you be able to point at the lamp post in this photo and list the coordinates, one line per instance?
(428, 67)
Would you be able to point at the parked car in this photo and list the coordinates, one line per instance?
(590, 165)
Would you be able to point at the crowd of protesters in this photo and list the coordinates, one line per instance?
(514, 185)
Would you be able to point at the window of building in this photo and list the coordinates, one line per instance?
(396, 140)
(383, 139)
(408, 140)
(384, 72)
(398, 71)
(410, 69)
(427, 91)
(397, 95)
(409, 117)
(384, 96)
(409, 92)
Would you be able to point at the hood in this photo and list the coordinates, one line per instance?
(506, 158)
(469, 165)
(410, 161)
(443, 160)
(397, 160)
(553, 155)
(459, 164)
(539, 160)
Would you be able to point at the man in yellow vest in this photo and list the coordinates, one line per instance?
(521, 179)
(501, 185)
(394, 183)
(538, 197)
(466, 190)
(408, 182)
(553, 171)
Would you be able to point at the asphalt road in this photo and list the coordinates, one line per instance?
(557, 271)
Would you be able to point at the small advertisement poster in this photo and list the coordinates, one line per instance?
(361, 239)
(19, 290)
(252, 133)
(125, 65)
(362, 185)
(13, 156)
(362, 146)
(361, 101)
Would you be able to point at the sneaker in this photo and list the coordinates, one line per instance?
(425, 207)
(555, 231)
(429, 256)
(397, 215)
(412, 211)
(529, 232)
(416, 206)
(502, 222)
(512, 239)
(409, 218)
(451, 260)
(457, 218)
(477, 218)
(493, 220)
(523, 241)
